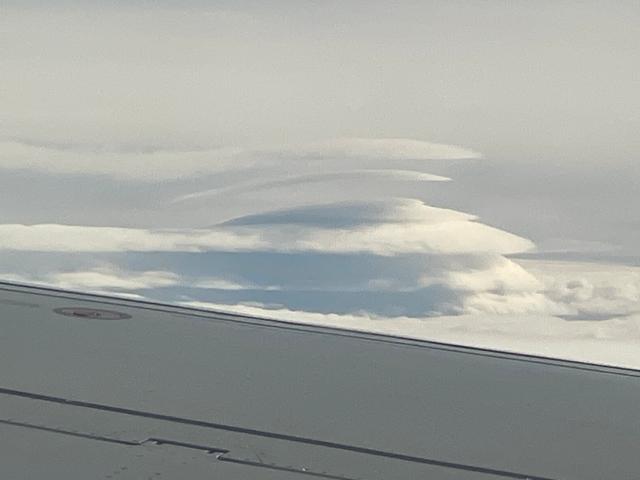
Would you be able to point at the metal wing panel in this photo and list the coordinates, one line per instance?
(370, 406)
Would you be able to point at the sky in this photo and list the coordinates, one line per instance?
(460, 171)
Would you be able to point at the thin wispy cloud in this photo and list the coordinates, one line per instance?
(161, 164)
(303, 180)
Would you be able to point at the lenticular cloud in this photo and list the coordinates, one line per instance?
(387, 258)
(378, 253)
(167, 164)
(390, 227)
(386, 227)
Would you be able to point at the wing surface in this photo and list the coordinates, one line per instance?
(99, 387)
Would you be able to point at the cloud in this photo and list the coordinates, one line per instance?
(390, 227)
(215, 283)
(386, 227)
(511, 319)
(439, 261)
(589, 290)
(161, 163)
(507, 275)
(109, 278)
(339, 176)
(511, 303)
(70, 238)
(382, 149)
(411, 285)
(350, 214)
(113, 279)
(388, 257)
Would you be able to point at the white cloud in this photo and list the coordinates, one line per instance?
(589, 290)
(338, 176)
(112, 279)
(402, 258)
(511, 303)
(70, 238)
(373, 212)
(99, 279)
(109, 278)
(388, 239)
(506, 275)
(214, 283)
(161, 164)
(389, 228)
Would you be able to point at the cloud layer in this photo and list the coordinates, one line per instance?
(390, 227)
(158, 164)
(387, 257)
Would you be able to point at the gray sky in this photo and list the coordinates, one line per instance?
(518, 80)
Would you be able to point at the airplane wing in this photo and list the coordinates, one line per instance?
(95, 387)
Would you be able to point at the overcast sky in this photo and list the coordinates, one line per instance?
(464, 158)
